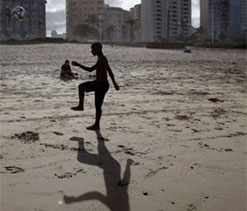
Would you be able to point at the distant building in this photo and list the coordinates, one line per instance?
(154, 20)
(91, 20)
(54, 34)
(79, 18)
(179, 19)
(235, 19)
(165, 20)
(136, 17)
(221, 20)
(115, 25)
(33, 25)
(244, 15)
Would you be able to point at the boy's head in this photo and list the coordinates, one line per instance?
(96, 48)
(66, 62)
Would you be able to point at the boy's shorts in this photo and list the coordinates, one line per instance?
(99, 87)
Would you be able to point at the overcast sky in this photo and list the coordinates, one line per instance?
(55, 13)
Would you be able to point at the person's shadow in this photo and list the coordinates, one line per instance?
(116, 198)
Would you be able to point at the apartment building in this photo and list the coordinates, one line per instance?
(115, 26)
(179, 19)
(33, 25)
(136, 17)
(244, 16)
(78, 13)
(235, 19)
(154, 20)
(165, 20)
(221, 20)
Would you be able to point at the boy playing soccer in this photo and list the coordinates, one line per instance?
(100, 86)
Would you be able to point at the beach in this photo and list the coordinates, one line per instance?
(173, 138)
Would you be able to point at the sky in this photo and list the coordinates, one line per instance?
(55, 13)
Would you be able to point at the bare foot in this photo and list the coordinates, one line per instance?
(93, 127)
(78, 108)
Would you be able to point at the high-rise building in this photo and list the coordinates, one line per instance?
(82, 14)
(115, 26)
(235, 19)
(136, 17)
(244, 15)
(221, 20)
(179, 19)
(32, 26)
(154, 20)
(165, 20)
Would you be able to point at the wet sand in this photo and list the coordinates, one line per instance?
(172, 139)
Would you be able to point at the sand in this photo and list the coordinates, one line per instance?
(172, 139)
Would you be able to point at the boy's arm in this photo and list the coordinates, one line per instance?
(112, 77)
(89, 69)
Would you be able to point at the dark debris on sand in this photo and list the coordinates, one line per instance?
(27, 137)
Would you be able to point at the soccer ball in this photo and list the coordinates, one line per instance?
(18, 13)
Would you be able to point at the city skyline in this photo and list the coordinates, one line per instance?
(55, 13)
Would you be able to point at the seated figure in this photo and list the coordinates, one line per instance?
(66, 72)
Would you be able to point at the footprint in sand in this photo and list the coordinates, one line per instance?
(212, 148)
(153, 172)
(68, 174)
(58, 133)
(127, 150)
(215, 100)
(218, 112)
(191, 207)
(14, 169)
(182, 117)
(60, 147)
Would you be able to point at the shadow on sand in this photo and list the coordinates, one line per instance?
(116, 197)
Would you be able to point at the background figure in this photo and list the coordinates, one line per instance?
(66, 72)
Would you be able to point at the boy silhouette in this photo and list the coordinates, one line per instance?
(100, 85)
